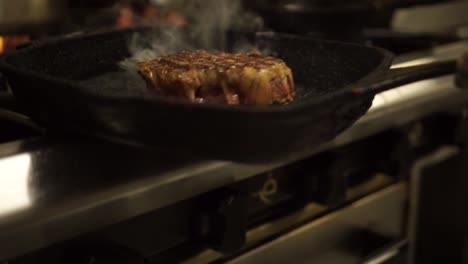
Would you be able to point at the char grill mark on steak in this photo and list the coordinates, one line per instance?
(202, 77)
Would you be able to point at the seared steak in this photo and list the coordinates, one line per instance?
(202, 77)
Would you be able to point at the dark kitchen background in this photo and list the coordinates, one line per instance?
(390, 189)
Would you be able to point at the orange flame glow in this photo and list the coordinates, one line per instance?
(1, 44)
(150, 15)
(10, 42)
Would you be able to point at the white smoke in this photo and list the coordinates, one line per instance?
(209, 21)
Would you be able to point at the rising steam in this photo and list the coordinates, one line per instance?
(208, 19)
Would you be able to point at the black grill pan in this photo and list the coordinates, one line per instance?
(74, 84)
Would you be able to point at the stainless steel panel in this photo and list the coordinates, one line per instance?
(327, 239)
(20, 14)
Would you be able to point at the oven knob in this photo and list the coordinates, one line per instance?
(330, 183)
(461, 76)
(224, 224)
(332, 191)
(461, 132)
(324, 181)
(401, 154)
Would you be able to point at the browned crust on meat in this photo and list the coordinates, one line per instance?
(200, 76)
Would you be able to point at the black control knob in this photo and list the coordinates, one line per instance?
(224, 223)
(461, 76)
(333, 185)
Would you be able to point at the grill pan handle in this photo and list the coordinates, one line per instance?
(7, 101)
(10, 112)
(42, 41)
(393, 78)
